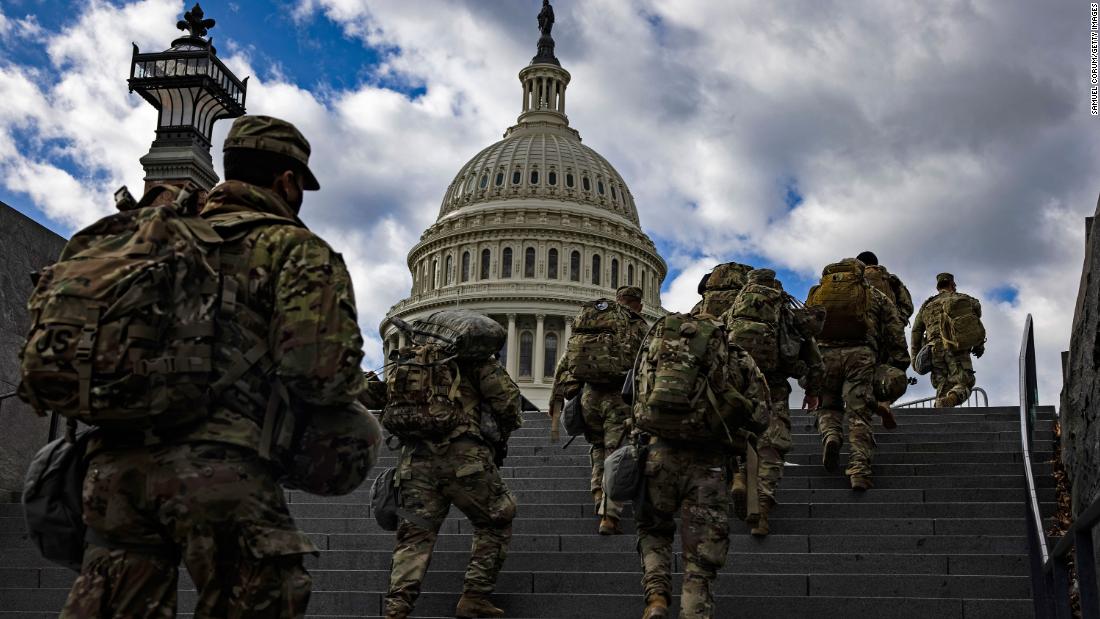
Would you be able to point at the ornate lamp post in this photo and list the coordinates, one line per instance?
(191, 88)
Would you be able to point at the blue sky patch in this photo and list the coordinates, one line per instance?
(1005, 294)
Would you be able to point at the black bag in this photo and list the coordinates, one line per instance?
(385, 504)
(572, 417)
(467, 334)
(623, 472)
(922, 363)
(52, 500)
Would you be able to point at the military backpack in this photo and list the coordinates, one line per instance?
(846, 298)
(599, 349)
(960, 327)
(422, 394)
(722, 287)
(878, 277)
(753, 323)
(123, 324)
(675, 398)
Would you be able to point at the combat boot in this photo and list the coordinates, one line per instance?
(950, 400)
(761, 528)
(656, 607)
(473, 605)
(739, 490)
(888, 420)
(830, 454)
(862, 483)
(610, 526)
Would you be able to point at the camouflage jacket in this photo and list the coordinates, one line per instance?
(293, 293)
(926, 326)
(486, 388)
(904, 299)
(886, 332)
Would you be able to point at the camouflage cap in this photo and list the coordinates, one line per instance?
(761, 275)
(273, 135)
(944, 280)
(628, 292)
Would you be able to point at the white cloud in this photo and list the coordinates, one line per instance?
(944, 137)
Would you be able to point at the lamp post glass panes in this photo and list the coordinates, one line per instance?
(190, 88)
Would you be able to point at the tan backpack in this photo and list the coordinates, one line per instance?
(422, 394)
(723, 285)
(600, 349)
(960, 327)
(846, 298)
(878, 277)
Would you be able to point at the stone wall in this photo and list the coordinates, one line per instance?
(25, 246)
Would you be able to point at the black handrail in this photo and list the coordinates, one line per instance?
(1050, 575)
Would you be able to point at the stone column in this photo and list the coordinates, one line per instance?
(400, 339)
(540, 348)
(568, 331)
(513, 348)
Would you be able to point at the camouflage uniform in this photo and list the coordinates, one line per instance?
(458, 470)
(606, 416)
(693, 478)
(952, 372)
(207, 497)
(848, 384)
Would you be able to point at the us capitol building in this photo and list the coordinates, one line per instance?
(529, 229)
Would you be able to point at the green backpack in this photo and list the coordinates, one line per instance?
(422, 394)
(753, 323)
(723, 285)
(960, 327)
(599, 349)
(846, 298)
(674, 397)
(123, 324)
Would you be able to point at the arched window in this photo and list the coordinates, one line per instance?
(550, 360)
(465, 266)
(485, 264)
(526, 349)
(614, 196)
(552, 177)
(529, 262)
(435, 269)
(500, 179)
(599, 186)
(447, 264)
(614, 272)
(630, 275)
(534, 177)
(575, 266)
(584, 183)
(596, 269)
(569, 179)
(506, 263)
(484, 181)
(470, 184)
(517, 176)
(552, 264)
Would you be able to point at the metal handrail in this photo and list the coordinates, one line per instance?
(924, 402)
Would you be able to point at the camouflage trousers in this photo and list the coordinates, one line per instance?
(776, 440)
(849, 388)
(605, 414)
(695, 483)
(214, 505)
(952, 372)
(461, 473)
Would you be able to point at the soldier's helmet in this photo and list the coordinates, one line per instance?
(945, 280)
(336, 450)
(274, 135)
(765, 277)
(628, 292)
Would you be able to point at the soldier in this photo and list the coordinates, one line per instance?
(890, 285)
(458, 469)
(950, 322)
(691, 441)
(861, 327)
(204, 495)
(753, 322)
(605, 413)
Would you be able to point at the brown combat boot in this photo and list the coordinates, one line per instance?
(610, 526)
(761, 528)
(830, 454)
(950, 400)
(473, 605)
(888, 420)
(739, 490)
(862, 483)
(656, 607)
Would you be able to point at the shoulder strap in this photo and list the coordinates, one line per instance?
(240, 219)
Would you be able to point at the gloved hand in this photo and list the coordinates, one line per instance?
(978, 350)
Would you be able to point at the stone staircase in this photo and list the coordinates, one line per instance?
(941, 535)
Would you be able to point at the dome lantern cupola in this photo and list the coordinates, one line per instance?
(544, 80)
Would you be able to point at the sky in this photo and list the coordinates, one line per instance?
(944, 136)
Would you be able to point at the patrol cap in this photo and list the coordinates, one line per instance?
(761, 275)
(944, 280)
(628, 292)
(273, 135)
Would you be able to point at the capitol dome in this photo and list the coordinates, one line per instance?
(530, 228)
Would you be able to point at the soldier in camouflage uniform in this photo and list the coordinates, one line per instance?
(459, 470)
(605, 413)
(775, 443)
(952, 372)
(891, 285)
(205, 496)
(692, 478)
(848, 385)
